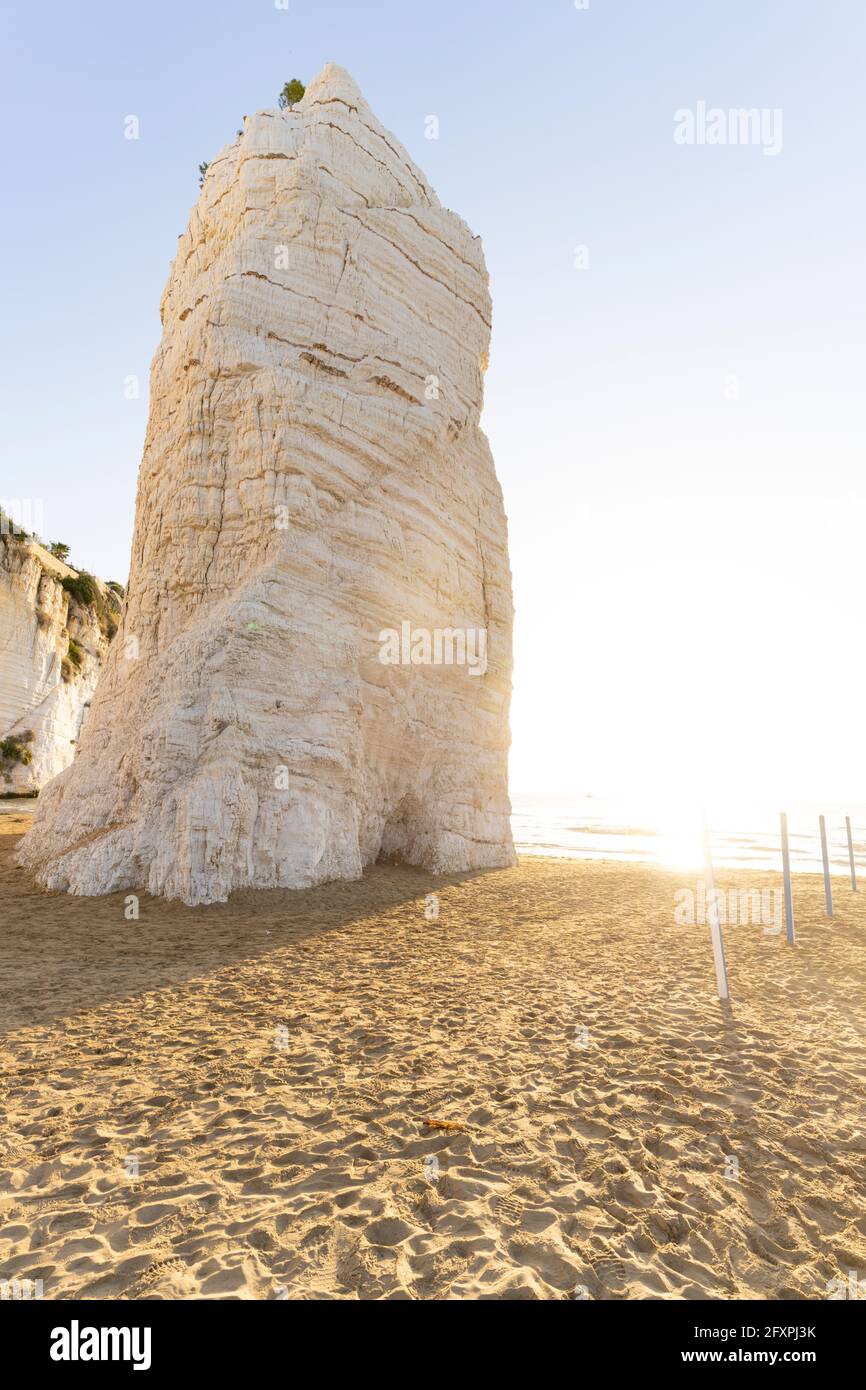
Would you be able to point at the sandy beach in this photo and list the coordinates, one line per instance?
(247, 1101)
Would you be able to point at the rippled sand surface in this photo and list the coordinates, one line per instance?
(327, 1095)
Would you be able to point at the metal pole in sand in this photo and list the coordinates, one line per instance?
(851, 854)
(713, 919)
(828, 894)
(786, 869)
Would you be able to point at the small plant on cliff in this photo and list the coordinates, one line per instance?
(202, 170)
(82, 589)
(291, 93)
(14, 749)
(75, 654)
(87, 592)
(60, 551)
(115, 587)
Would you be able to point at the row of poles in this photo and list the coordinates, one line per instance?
(713, 907)
(825, 857)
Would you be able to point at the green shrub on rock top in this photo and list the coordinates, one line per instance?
(291, 93)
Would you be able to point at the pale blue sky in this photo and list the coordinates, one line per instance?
(688, 568)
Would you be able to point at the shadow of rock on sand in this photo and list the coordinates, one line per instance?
(60, 954)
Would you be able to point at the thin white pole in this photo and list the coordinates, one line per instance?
(786, 869)
(828, 894)
(713, 919)
(851, 854)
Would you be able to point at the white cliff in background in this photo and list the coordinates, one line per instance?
(44, 694)
(314, 481)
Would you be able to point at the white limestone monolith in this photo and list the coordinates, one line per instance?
(313, 668)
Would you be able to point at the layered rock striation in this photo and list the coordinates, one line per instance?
(314, 663)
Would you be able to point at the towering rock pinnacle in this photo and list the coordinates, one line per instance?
(313, 666)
